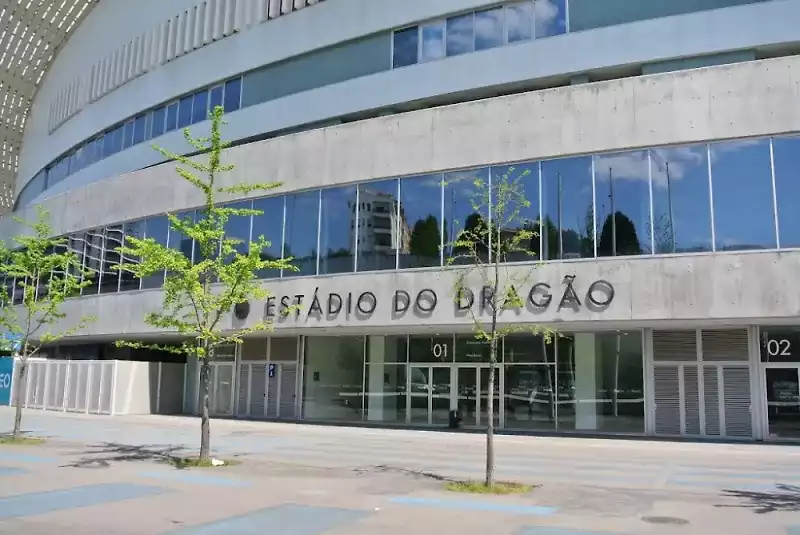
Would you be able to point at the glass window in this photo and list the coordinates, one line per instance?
(530, 379)
(300, 242)
(742, 192)
(464, 209)
(172, 117)
(567, 203)
(420, 221)
(109, 280)
(520, 212)
(238, 227)
(470, 349)
(378, 233)
(780, 344)
(333, 378)
(127, 139)
(489, 28)
(622, 185)
(112, 142)
(127, 281)
(157, 229)
(139, 129)
(405, 47)
(185, 112)
(600, 382)
(159, 121)
(269, 224)
(337, 230)
(216, 97)
(681, 206)
(433, 46)
(233, 94)
(432, 349)
(550, 17)
(93, 259)
(200, 107)
(519, 22)
(787, 188)
(460, 35)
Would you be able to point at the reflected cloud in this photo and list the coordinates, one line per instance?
(432, 42)
(624, 166)
(459, 35)
(488, 29)
(519, 21)
(681, 160)
(549, 17)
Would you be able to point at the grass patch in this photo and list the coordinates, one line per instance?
(476, 487)
(20, 441)
(194, 462)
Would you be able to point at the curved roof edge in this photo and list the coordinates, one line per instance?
(31, 34)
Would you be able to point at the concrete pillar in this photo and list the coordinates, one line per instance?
(585, 386)
(375, 384)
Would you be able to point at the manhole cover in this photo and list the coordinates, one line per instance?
(671, 520)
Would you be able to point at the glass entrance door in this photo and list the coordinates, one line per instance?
(783, 401)
(473, 395)
(429, 394)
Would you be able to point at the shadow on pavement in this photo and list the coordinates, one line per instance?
(785, 499)
(385, 469)
(102, 455)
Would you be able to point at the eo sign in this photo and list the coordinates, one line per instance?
(6, 373)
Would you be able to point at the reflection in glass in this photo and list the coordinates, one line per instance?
(550, 17)
(337, 229)
(460, 35)
(405, 47)
(471, 349)
(681, 207)
(109, 279)
(440, 395)
(215, 98)
(127, 135)
(172, 117)
(783, 402)
(786, 155)
(530, 379)
(600, 382)
(333, 378)
(200, 107)
(233, 95)
(780, 344)
(128, 281)
(185, 112)
(519, 22)
(139, 129)
(269, 225)
(156, 228)
(380, 230)
(430, 348)
(525, 177)
(420, 209)
(567, 203)
(92, 259)
(465, 210)
(622, 183)
(159, 119)
(238, 228)
(300, 242)
(742, 186)
(179, 241)
(419, 394)
(433, 45)
(489, 28)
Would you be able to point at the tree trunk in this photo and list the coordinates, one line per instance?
(205, 419)
(19, 396)
(490, 417)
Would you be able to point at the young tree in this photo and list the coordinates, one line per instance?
(46, 273)
(482, 251)
(199, 296)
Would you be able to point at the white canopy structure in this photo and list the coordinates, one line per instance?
(31, 34)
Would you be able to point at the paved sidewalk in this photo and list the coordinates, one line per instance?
(106, 475)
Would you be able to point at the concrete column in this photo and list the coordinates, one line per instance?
(375, 370)
(585, 391)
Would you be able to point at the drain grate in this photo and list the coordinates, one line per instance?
(665, 520)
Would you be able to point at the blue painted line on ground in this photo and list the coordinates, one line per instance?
(24, 458)
(534, 510)
(185, 476)
(534, 530)
(11, 471)
(793, 530)
(39, 503)
(283, 519)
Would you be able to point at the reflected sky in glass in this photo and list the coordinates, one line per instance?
(337, 230)
(743, 208)
(787, 187)
(302, 211)
(269, 225)
(525, 178)
(568, 205)
(238, 227)
(463, 207)
(519, 22)
(681, 206)
(489, 28)
(623, 189)
(380, 233)
(460, 35)
(433, 46)
(420, 214)
(550, 17)
(405, 47)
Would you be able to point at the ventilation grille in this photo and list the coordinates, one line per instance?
(667, 399)
(244, 390)
(725, 345)
(675, 346)
(691, 394)
(738, 419)
(711, 399)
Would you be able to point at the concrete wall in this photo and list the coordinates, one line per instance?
(329, 23)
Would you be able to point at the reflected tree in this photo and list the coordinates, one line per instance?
(426, 238)
(618, 237)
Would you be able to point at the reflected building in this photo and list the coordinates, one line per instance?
(656, 184)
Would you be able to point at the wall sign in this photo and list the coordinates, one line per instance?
(6, 378)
